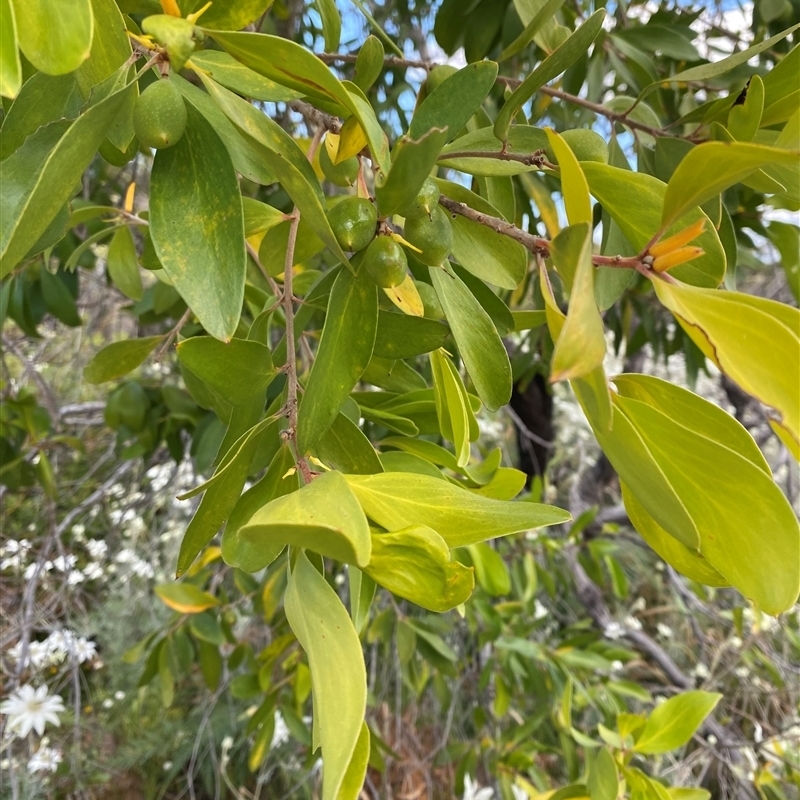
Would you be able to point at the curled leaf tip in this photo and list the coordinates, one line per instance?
(689, 234)
(676, 257)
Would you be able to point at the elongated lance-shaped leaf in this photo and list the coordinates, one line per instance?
(197, 225)
(672, 724)
(397, 500)
(563, 57)
(712, 167)
(754, 341)
(581, 345)
(292, 65)
(345, 349)
(543, 15)
(574, 188)
(284, 158)
(478, 342)
(451, 104)
(10, 66)
(338, 675)
(452, 408)
(41, 175)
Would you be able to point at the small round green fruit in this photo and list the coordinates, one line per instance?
(344, 174)
(433, 235)
(587, 146)
(430, 301)
(159, 116)
(385, 261)
(423, 204)
(353, 221)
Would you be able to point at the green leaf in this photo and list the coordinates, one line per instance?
(185, 598)
(362, 593)
(123, 265)
(175, 34)
(546, 13)
(284, 157)
(434, 453)
(42, 99)
(10, 66)
(581, 345)
(685, 560)
(246, 553)
(664, 39)
(323, 516)
(232, 74)
(345, 447)
(231, 15)
(491, 571)
(522, 140)
(744, 119)
(56, 37)
(402, 336)
(745, 527)
(396, 500)
(412, 162)
(369, 63)
(634, 200)
(756, 342)
(58, 299)
(453, 102)
(414, 563)
(574, 188)
(712, 167)
(452, 408)
(603, 782)
(345, 349)
(331, 24)
(111, 47)
(197, 225)
(673, 723)
(338, 675)
(292, 65)
(488, 255)
(478, 342)
(353, 781)
(236, 371)
(41, 176)
(119, 358)
(563, 57)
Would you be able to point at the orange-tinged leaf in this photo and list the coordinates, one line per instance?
(676, 258)
(185, 598)
(688, 234)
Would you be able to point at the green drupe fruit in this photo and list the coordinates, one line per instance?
(433, 235)
(430, 301)
(423, 204)
(343, 174)
(353, 221)
(587, 146)
(159, 117)
(385, 261)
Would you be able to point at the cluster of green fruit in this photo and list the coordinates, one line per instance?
(354, 221)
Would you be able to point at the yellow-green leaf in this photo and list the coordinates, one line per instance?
(119, 358)
(54, 35)
(185, 598)
(398, 500)
(673, 723)
(744, 119)
(338, 676)
(574, 188)
(323, 516)
(452, 408)
(10, 66)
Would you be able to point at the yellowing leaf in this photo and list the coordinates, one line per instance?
(185, 598)
(406, 297)
(351, 141)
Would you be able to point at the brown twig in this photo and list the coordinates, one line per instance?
(322, 120)
(535, 159)
(170, 337)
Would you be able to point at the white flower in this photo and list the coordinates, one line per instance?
(84, 650)
(639, 605)
(280, 733)
(75, 577)
(735, 642)
(614, 630)
(711, 739)
(142, 569)
(30, 709)
(664, 630)
(38, 654)
(617, 666)
(632, 623)
(519, 793)
(701, 671)
(92, 571)
(64, 563)
(45, 758)
(474, 792)
(108, 702)
(78, 531)
(539, 611)
(119, 695)
(13, 562)
(126, 556)
(97, 548)
(166, 766)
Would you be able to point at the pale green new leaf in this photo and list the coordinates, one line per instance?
(673, 723)
(414, 563)
(581, 346)
(323, 516)
(197, 225)
(398, 500)
(10, 66)
(574, 188)
(338, 676)
(54, 35)
(452, 408)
